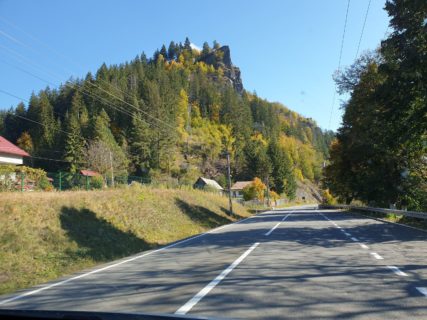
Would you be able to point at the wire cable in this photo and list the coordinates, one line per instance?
(339, 62)
(363, 29)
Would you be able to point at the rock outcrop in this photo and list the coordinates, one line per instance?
(221, 58)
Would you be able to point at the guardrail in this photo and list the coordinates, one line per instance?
(412, 214)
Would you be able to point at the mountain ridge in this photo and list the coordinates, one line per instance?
(171, 115)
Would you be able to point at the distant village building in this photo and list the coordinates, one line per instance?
(89, 173)
(203, 183)
(237, 188)
(11, 154)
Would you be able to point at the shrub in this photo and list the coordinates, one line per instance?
(255, 190)
(328, 198)
(97, 182)
(44, 184)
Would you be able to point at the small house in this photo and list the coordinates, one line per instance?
(203, 183)
(11, 154)
(237, 188)
(89, 173)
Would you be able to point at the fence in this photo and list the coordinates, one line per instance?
(20, 181)
(412, 214)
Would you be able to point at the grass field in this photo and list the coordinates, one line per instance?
(47, 235)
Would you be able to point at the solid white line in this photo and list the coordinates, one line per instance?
(354, 239)
(386, 221)
(199, 296)
(422, 290)
(397, 271)
(116, 264)
(364, 246)
(376, 256)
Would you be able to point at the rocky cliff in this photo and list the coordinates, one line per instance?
(221, 58)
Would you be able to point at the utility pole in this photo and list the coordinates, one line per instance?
(229, 183)
(268, 193)
(112, 170)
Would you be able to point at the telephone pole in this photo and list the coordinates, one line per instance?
(268, 193)
(112, 170)
(229, 183)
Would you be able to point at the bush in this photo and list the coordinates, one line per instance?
(97, 182)
(44, 184)
(255, 190)
(327, 198)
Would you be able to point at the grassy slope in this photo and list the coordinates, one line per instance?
(46, 235)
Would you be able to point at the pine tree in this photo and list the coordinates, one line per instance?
(74, 144)
(282, 176)
(187, 44)
(140, 142)
(172, 53)
(164, 52)
(206, 49)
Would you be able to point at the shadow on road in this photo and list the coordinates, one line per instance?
(96, 237)
(201, 215)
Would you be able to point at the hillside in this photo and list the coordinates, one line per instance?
(170, 116)
(46, 235)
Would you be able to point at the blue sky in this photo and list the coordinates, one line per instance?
(287, 50)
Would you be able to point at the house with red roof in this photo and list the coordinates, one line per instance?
(89, 173)
(11, 154)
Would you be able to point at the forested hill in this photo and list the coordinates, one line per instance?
(172, 115)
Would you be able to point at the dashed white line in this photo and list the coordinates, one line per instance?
(285, 217)
(347, 234)
(363, 246)
(28, 293)
(354, 239)
(199, 296)
(278, 224)
(422, 290)
(272, 229)
(397, 271)
(376, 256)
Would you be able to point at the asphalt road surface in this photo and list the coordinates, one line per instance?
(299, 263)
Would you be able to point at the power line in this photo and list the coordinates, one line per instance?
(363, 29)
(100, 88)
(339, 61)
(25, 118)
(80, 89)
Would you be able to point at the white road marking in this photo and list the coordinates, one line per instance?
(347, 234)
(278, 224)
(376, 256)
(272, 229)
(422, 290)
(28, 293)
(397, 271)
(285, 217)
(199, 296)
(364, 246)
(354, 239)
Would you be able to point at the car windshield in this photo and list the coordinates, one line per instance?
(227, 159)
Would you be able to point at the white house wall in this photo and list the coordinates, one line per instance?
(10, 159)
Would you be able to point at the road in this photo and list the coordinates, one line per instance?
(302, 263)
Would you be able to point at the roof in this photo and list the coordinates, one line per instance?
(239, 185)
(9, 148)
(89, 173)
(211, 183)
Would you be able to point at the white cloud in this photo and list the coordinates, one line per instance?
(194, 47)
